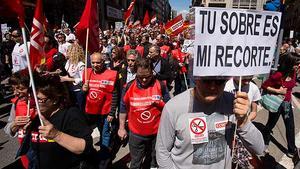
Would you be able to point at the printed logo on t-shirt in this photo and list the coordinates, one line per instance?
(36, 137)
(214, 150)
(221, 125)
(156, 97)
(198, 130)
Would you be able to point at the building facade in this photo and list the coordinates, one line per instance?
(173, 14)
(241, 4)
(162, 10)
(291, 19)
(247, 4)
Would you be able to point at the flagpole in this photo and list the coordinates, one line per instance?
(235, 128)
(86, 53)
(31, 75)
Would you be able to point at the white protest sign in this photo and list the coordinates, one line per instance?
(118, 25)
(4, 29)
(234, 42)
(291, 34)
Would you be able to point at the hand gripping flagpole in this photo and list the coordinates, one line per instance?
(235, 128)
(31, 76)
(86, 53)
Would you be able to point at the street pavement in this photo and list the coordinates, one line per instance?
(9, 146)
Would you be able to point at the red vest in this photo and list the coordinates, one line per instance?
(180, 57)
(99, 96)
(21, 110)
(164, 51)
(139, 49)
(143, 117)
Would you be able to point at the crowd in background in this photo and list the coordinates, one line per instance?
(123, 90)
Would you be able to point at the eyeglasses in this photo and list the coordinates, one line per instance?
(218, 82)
(59, 37)
(42, 100)
(130, 60)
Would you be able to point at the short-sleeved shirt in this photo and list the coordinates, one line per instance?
(251, 89)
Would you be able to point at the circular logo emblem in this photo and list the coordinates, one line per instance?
(197, 126)
(93, 95)
(146, 115)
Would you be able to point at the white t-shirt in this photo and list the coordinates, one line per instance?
(251, 89)
(75, 71)
(71, 36)
(18, 55)
(63, 48)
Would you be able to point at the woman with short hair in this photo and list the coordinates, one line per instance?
(64, 139)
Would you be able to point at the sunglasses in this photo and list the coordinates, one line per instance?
(130, 60)
(218, 82)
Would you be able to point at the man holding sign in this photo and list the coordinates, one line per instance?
(200, 132)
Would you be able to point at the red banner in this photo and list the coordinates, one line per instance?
(13, 8)
(89, 19)
(129, 11)
(174, 27)
(146, 20)
(37, 54)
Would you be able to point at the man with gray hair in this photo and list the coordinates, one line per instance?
(161, 67)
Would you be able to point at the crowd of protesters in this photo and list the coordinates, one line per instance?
(125, 93)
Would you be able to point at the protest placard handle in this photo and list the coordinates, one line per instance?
(234, 135)
(86, 53)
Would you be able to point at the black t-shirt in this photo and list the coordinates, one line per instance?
(51, 155)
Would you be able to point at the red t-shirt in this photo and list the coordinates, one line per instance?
(277, 80)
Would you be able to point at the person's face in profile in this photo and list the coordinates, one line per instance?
(208, 90)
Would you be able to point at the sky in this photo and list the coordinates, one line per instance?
(180, 5)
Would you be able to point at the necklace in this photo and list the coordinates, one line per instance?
(55, 111)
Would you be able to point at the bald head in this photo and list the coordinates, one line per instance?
(97, 61)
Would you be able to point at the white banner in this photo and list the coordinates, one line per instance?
(234, 42)
(114, 12)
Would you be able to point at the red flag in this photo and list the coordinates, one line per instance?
(37, 53)
(89, 19)
(174, 26)
(129, 11)
(11, 8)
(146, 20)
(186, 25)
